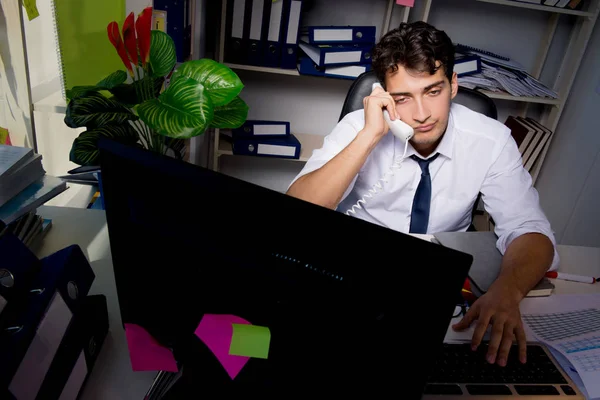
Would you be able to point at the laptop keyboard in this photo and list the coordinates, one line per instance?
(458, 364)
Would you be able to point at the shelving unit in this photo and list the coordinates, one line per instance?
(578, 40)
(309, 142)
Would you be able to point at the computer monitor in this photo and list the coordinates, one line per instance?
(350, 305)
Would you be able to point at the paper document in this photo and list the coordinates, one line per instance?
(570, 325)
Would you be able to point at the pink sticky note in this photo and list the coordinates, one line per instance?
(407, 3)
(146, 353)
(216, 331)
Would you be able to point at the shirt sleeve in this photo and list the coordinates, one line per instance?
(512, 201)
(340, 137)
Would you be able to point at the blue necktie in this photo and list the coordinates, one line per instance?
(419, 218)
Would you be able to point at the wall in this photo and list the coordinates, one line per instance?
(312, 105)
(569, 182)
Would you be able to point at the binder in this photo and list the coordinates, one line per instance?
(467, 65)
(340, 34)
(32, 330)
(291, 10)
(257, 36)
(326, 55)
(178, 27)
(78, 351)
(237, 30)
(272, 50)
(308, 67)
(285, 147)
(257, 128)
(18, 267)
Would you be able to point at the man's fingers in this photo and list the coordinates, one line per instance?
(480, 329)
(495, 340)
(522, 341)
(467, 320)
(505, 345)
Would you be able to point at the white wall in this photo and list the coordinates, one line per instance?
(312, 105)
(569, 182)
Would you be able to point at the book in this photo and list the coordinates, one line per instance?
(13, 157)
(544, 288)
(85, 54)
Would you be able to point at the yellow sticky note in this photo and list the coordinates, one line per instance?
(250, 341)
(31, 8)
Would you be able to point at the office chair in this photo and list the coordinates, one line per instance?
(476, 101)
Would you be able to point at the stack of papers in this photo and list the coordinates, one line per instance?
(498, 78)
(570, 326)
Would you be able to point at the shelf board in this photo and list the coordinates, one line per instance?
(309, 144)
(292, 72)
(524, 99)
(540, 7)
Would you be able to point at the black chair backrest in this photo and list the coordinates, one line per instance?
(361, 88)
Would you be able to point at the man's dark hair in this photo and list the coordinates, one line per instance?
(416, 46)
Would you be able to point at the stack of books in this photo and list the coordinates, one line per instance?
(265, 139)
(342, 52)
(531, 138)
(24, 186)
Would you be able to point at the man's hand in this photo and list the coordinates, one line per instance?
(500, 309)
(374, 104)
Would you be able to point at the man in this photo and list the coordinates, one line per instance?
(454, 155)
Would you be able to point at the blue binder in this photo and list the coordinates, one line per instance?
(257, 129)
(18, 267)
(237, 30)
(56, 292)
(339, 34)
(79, 348)
(467, 65)
(272, 49)
(327, 55)
(292, 10)
(178, 25)
(284, 147)
(308, 67)
(257, 37)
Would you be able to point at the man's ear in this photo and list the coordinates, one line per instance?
(454, 85)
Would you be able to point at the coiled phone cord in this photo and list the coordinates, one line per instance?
(378, 186)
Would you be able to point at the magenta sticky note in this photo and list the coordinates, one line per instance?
(216, 331)
(407, 3)
(146, 353)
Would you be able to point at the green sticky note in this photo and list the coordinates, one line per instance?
(250, 341)
(31, 8)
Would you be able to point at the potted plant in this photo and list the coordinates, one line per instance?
(134, 107)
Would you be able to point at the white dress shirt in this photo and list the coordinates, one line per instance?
(477, 154)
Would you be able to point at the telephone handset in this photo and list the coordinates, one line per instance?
(402, 131)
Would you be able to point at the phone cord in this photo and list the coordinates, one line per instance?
(378, 186)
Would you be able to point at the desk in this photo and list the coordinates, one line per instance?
(112, 377)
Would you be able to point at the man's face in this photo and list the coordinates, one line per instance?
(423, 102)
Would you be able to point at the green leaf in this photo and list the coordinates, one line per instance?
(182, 111)
(94, 110)
(162, 53)
(230, 116)
(84, 150)
(114, 79)
(221, 83)
(127, 93)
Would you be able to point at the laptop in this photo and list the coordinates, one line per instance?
(188, 241)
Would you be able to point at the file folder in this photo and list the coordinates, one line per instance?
(237, 30)
(292, 11)
(78, 351)
(340, 34)
(285, 147)
(259, 25)
(308, 67)
(31, 331)
(18, 267)
(256, 128)
(325, 55)
(467, 65)
(178, 26)
(272, 50)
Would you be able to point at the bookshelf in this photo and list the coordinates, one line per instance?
(579, 36)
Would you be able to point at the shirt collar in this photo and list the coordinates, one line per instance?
(446, 145)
